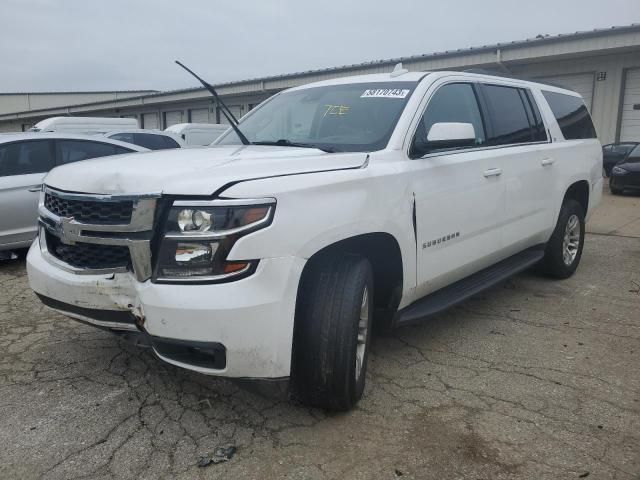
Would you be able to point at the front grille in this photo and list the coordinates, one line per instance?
(87, 211)
(87, 255)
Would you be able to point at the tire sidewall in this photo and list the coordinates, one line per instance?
(555, 247)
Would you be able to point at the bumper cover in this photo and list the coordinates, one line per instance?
(629, 181)
(251, 319)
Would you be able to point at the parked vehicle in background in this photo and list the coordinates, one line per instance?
(614, 153)
(267, 255)
(151, 139)
(84, 125)
(25, 158)
(195, 134)
(625, 175)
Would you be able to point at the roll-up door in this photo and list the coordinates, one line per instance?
(199, 115)
(630, 121)
(150, 121)
(581, 83)
(235, 109)
(171, 118)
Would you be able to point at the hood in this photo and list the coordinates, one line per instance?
(193, 171)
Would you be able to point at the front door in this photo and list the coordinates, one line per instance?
(459, 194)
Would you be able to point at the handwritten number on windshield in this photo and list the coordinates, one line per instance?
(336, 110)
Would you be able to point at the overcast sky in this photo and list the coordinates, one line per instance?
(56, 45)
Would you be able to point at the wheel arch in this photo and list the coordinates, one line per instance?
(579, 191)
(383, 251)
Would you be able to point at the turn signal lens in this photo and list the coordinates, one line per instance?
(233, 267)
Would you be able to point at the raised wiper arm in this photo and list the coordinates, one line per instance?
(233, 121)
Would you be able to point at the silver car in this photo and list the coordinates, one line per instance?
(25, 158)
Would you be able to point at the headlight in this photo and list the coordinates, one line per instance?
(199, 235)
(618, 171)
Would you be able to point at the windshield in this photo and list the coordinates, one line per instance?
(634, 156)
(356, 117)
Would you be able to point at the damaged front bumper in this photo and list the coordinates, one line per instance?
(241, 329)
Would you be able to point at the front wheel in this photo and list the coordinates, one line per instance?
(333, 332)
(564, 249)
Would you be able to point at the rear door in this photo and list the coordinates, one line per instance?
(23, 165)
(517, 132)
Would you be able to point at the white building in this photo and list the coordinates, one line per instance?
(603, 65)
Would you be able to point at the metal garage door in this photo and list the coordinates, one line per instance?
(171, 118)
(581, 83)
(199, 115)
(630, 121)
(150, 121)
(235, 109)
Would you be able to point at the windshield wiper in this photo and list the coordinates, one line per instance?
(233, 121)
(283, 142)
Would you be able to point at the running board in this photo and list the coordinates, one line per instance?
(461, 290)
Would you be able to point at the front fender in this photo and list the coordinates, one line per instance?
(317, 210)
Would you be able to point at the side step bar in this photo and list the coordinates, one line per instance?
(450, 295)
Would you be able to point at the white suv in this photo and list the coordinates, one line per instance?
(379, 198)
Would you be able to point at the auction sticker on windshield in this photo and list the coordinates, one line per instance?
(385, 93)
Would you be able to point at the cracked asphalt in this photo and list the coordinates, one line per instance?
(532, 379)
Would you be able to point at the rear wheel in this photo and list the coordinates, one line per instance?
(564, 249)
(333, 332)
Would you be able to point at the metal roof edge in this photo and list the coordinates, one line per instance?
(540, 39)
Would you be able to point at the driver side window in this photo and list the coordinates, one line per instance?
(451, 103)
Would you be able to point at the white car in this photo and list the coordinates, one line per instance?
(383, 198)
(197, 134)
(151, 139)
(25, 158)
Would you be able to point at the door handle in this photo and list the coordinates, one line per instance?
(493, 172)
(547, 161)
(37, 188)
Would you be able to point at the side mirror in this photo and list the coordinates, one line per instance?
(451, 135)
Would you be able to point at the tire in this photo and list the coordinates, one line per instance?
(615, 191)
(332, 332)
(558, 262)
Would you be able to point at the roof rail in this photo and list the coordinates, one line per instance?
(494, 73)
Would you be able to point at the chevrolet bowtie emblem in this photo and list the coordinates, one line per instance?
(68, 230)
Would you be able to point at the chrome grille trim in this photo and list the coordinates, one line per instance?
(70, 231)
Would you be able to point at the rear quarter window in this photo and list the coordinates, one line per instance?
(572, 115)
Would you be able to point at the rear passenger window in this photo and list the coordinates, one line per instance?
(511, 116)
(70, 151)
(123, 137)
(155, 142)
(539, 130)
(572, 115)
(24, 158)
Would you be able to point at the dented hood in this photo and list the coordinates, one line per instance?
(193, 171)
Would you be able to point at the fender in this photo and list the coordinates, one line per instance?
(315, 211)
